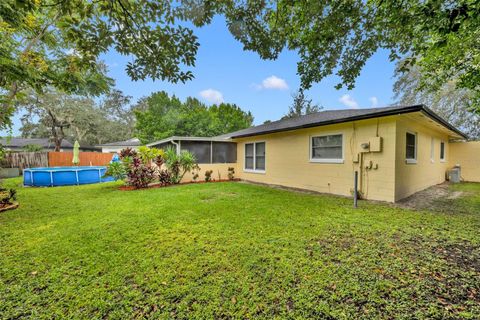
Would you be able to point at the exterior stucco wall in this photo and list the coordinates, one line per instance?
(218, 168)
(467, 155)
(288, 160)
(411, 178)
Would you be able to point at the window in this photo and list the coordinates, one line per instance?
(411, 148)
(255, 156)
(442, 151)
(328, 149)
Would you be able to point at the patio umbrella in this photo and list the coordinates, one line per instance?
(76, 153)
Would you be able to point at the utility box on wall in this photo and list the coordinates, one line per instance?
(375, 144)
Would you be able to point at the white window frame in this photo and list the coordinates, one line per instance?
(254, 170)
(444, 159)
(315, 160)
(411, 160)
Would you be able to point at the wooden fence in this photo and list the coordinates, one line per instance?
(24, 160)
(64, 159)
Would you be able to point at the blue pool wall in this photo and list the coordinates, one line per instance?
(64, 176)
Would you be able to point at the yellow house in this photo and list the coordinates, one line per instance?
(396, 151)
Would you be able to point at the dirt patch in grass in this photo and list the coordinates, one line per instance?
(439, 197)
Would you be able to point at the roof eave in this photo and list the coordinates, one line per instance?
(336, 121)
(410, 109)
(179, 138)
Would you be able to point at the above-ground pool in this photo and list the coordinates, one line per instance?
(63, 176)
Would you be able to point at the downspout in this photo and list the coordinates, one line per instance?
(177, 146)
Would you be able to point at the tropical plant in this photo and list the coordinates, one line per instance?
(179, 164)
(151, 154)
(140, 175)
(164, 177)
(127, 153)
(117, 170)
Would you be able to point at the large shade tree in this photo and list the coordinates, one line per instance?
(448, 101)
(58, 116)
(57, 43)
(160, 116)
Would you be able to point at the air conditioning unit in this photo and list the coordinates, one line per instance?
(454, 175)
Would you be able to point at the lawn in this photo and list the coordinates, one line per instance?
(224, 250)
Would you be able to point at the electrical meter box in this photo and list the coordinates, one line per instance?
(376, 144)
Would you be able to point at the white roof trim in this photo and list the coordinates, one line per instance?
(175, 138)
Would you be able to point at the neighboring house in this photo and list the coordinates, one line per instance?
(19, 144)
(119, 145)
(396, 151)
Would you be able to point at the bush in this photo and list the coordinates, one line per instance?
(7, 196)
(116, 170)
(141, 175)
(179, 164)
(164, 178)
(150, 154)
(231, 173)
(141, 168)
(208, 175)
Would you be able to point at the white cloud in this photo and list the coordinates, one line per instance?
(272, 83)
(212, 95)
(348, 101)
(374, 101)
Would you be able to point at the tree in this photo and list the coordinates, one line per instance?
(57, 43)
(59, 116)
(301, 106)
(160, 116)
(56, 112)
(450, 102)
(340, 36)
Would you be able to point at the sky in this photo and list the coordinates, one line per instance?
(224, 72)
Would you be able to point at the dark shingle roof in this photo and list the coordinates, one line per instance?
(336, 116)
(134, 142)
(43, 142)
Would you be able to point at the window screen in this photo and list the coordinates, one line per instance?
(260, 156)
(249, 156)
(327, 147)
(442, 150)
(411, 146)
(200, 149)
(224, 152)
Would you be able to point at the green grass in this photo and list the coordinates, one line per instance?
(226, 250)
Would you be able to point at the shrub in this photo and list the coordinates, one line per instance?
(179, 164)
(195, 177)
(150, 154)
(208, 175)
(140, 174)
(116, 170)
(164, 177)
(231, 173)
(128, 153)
(137, 168)
(7, 196)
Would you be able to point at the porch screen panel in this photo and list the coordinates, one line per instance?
(200, 149)
(224, 152)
